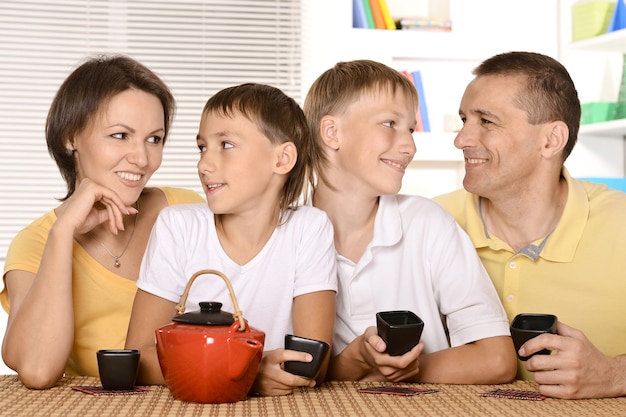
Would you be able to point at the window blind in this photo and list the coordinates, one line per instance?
(197, 46)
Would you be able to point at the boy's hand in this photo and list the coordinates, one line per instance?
(272, 379)
(384, 366)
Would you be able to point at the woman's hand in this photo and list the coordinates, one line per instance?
(272, 379)
(92, 204)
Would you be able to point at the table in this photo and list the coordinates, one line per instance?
(330, 399)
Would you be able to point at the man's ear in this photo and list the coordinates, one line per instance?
(286, 157)
(556, 139)
(328, 132)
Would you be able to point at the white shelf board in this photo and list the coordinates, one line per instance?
(610, 128)
(610, 42)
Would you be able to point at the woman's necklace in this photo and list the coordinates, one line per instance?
(116, 258)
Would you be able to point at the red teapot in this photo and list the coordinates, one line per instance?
(209, 356)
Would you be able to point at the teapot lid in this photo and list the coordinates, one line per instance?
(210, 314)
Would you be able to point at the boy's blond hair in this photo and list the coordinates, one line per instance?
(342, 85)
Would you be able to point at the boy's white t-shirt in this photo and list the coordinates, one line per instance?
(299, 258)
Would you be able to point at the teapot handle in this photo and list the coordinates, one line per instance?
(238, 315)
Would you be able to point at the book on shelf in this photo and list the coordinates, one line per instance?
(618, 20)
(359, 18)
(424, 23)
(419, 126)
(423, 108)
(389, 22)
(379, 21)
(368, 14)
(372, 14)
(397, 14)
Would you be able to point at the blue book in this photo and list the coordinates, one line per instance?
(423, 109)
(359, 20)
(618, 21)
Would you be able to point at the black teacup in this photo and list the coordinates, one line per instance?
(118, 368)
(316, 348)
(527, 326)
(401, 330)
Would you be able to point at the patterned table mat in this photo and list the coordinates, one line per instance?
(330, 399)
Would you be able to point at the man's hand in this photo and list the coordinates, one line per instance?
(577, 369)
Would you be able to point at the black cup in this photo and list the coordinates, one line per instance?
(118, 368)
(401, 330)
(527, 326)
(316, 348)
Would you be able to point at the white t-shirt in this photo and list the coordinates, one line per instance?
(299, 258)
(418, 260)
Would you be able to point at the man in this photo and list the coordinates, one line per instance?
(551, 244)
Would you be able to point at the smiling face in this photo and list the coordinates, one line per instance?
(375, 143)
(237, 164)
(502, 150)
(122, 145)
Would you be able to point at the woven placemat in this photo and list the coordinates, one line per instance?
(331, 399)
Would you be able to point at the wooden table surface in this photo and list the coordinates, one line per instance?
(330, 399)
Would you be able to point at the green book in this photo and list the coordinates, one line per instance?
(620, 108)
(368, 14)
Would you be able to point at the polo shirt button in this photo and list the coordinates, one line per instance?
(513, 265)
(510, 298)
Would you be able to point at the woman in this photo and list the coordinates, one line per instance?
(70, 275)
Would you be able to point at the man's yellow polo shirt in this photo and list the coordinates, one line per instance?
(579, 274)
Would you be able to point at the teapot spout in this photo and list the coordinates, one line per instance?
(244, 357)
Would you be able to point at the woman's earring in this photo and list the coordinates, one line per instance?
(70, 151)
